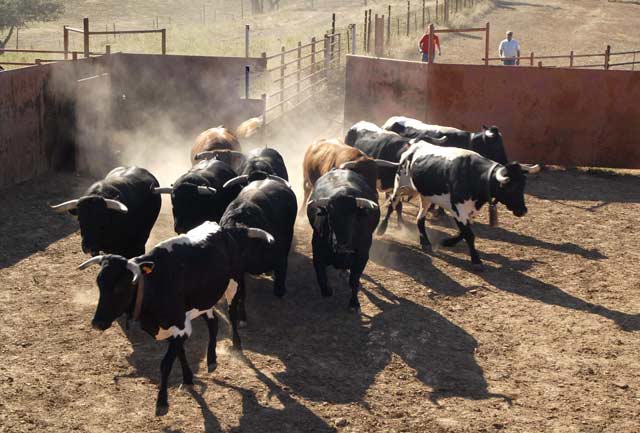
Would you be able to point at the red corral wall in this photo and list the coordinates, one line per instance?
(557, 116)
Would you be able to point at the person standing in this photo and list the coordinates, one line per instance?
(509, 50)
(424, 47)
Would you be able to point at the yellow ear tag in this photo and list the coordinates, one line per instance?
(147, 268)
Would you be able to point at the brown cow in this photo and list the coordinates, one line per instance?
(220, 138)
(327, 154)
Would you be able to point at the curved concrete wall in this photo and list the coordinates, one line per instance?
(557, 116)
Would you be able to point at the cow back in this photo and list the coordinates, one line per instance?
(214, 139)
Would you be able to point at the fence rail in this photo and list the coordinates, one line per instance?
(606, 55)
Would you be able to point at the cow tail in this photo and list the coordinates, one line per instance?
(249, 127)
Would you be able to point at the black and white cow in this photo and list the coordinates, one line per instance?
(116, 214)
(487, 142)
(166, 289)
(379, 143)
(268, 203)
(343, 211)
(265, 160)
(199, 194)
(460, 181)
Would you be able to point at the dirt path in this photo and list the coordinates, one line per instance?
(544, 340)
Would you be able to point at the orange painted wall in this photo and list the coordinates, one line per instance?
(555, 116)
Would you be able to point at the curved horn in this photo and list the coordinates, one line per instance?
(364, 203)
(207, 190)
(436, 141)
(116, 205)
(92, 261)
(255, 233)
(236, 180)
(135, 270)
(530, 168)
(319, 202)
(67, 205)
(274, 177)
(163, 190)
(205, 155)
(501, 175)
(348, 165)
(385, 163)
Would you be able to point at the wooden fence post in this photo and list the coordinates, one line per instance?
(408, 15)
(74, 55)
(364, 35)
(369, 32)
(247, 77)
(571, 59)
(437, 20)
(107, 49)
(539, 64)
(423, 14)
(607, 55)
(353, 39)
(326, 55)
(486, 46)
(246, 40)
(531, 60)
(398, 27)
(333, 32)
(163, 35)
(313, 59)
(65, 39)
(389, 26)
(431, 50)
(85, 25)
(339, 35)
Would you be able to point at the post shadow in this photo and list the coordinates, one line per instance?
(501, 277)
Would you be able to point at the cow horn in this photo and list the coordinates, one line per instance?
(92, 261)
(365, 203)
(135, 270)
(207, 190)
(348, 165)
(116, 205)
(274, 177)
(163, 190)
(533, 169)
(205, 155)
(385, 163)
(67, 205)
(437, 141)
(255, 233)
(318, 203)
(501, 175)
(236, 180)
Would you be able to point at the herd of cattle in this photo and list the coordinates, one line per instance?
(234, 214)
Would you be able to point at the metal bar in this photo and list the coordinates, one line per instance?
(18, 63)
(311, 95)
(563, 56)
(486, 45)
(247, 73)
(320, 81)
(624, 52)
(65, 37)
(282, 76)
(408, 15)
(353, 39)
(624, 63)
(389, 26)
(431, 51)
(571, 59)
(73, 29)
(246, 40)
(299, 65)
(599, 65)
(476, 29)
(606, 57)
(10, 50)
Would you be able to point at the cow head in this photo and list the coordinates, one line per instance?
(336, 220)
(95, 216)
(511, 180)
(489, 144)
(257, 164)
(191, 204)
(117, 283)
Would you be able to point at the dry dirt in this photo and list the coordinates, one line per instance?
(546, 339)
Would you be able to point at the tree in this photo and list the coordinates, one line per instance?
(18, 13)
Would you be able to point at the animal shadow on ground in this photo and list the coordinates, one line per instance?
(28, 225)
(484, 231)
(508, 271)
(415, 263)
(293, 417)
(331, 355)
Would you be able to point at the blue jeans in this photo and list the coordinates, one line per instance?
(509, 62)
(425, 57)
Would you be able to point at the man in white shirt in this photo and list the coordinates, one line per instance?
(509, 49)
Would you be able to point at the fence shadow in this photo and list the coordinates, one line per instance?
(508, 271)
(28, 225)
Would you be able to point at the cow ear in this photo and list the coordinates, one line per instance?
(147, 267)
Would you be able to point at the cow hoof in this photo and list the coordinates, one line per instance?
(162, 409)
(242, 323)
(212, 367)
(477, 267)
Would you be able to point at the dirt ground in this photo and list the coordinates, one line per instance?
(546, 339)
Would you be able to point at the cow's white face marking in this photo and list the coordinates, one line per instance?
(450, 153)
(408, 122)
(363, 125)
(174, 331)
(260, 183)
(488, 133)
(194, 236)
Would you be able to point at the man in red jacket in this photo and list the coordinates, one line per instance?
(424, 47)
